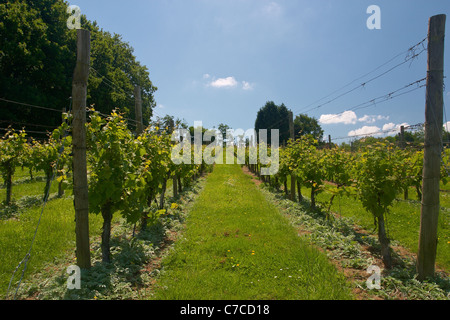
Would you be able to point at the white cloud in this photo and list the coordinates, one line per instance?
(347, 117)
(447, 126)
(228, 82)
(388, 126)
(224, 83)
(247, 85)
(393, 128)
(160, 106)
(372, 118)
(366, 130)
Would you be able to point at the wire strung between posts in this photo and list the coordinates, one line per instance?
(104, 115)
(30, 105)
(440, 137)
(377, 132)
(29, 131)
(112, 85)
(28, 254)
(24, 124)
(411, 55)
(385, 97)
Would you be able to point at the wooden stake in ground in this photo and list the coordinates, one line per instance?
(139, 130)
(426, 256)
(292, 136)
(80, 183)
(402, 137)
(138, 110)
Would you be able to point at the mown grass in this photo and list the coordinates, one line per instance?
(135, 253)
(238, 246)
(24, 186)
(55, 238)
(55, 235)
(403, 219)
(355, 251)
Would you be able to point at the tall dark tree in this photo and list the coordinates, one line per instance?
(270, 117)
(37, 60)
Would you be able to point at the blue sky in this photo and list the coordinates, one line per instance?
(220, 61)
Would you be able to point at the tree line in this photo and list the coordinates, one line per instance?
(37, 60)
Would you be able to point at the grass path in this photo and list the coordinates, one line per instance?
(237, 245)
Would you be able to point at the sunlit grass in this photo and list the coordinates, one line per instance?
(403, 219)
(238, 246)
(55, 234)
(23, 185)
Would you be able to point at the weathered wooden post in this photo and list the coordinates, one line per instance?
(80, 183)
(292, 136)
(138, 110)
(426, 255)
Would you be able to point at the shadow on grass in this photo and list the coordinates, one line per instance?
(131, 257)
(18, 206)
(399, 282)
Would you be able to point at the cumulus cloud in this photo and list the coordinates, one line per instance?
(347, 117)
(447, 126)
(366, 130)
(372, 118)
(393, 128)
(228, 82)
(388, 126)
(387, 129)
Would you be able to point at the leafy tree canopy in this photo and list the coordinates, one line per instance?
(37, 60)
(272, 116)
(304, 125)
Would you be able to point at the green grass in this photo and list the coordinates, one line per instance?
(56, 232)
(238, 246)
(23, 185)
(403, 220)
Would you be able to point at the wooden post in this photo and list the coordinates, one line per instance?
(292, 136)
(402, 146)
(329, 141)
(426, 255)
(80, 183)
(139, 130)
(60, 184)
(402, 137)
(138, 110)
(175, 186)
